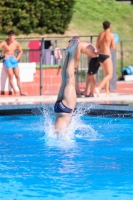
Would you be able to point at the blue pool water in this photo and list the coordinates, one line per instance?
(93, 162)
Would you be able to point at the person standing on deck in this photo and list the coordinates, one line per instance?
(10, 61)
(105, 42)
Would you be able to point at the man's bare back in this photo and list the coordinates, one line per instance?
(88, 49)
(105, 42)
(85, 48)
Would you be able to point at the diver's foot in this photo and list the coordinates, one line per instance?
(97, 91)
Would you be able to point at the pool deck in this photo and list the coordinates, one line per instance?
(121, 100)
(115, 103)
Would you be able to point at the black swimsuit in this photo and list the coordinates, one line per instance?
(103, 57)
(93, 66)
(61, 108)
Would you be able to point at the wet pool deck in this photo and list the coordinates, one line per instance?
(120, 101)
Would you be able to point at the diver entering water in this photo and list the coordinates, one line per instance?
(66, 99)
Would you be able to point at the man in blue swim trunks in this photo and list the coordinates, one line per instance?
(9, 46)
(66, 99)
(105, 42)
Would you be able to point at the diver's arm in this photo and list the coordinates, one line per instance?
(63, 84)
(61, 91)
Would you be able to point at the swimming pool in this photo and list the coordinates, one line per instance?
(94, 162)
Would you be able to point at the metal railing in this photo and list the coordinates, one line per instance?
(83, 66)
(124, 56)
(45, 57)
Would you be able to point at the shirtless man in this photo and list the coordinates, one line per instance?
(104, 44)
(66, 99)
(10, 60)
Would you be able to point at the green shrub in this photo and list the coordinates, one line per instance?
(47, 66)
(38, 16)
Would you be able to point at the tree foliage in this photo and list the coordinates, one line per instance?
(38, 16)
(126, 0)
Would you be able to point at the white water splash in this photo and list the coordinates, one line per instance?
(83, 130)
(76, 129)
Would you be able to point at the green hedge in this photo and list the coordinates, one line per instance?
(48, 66)
(38, 16)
